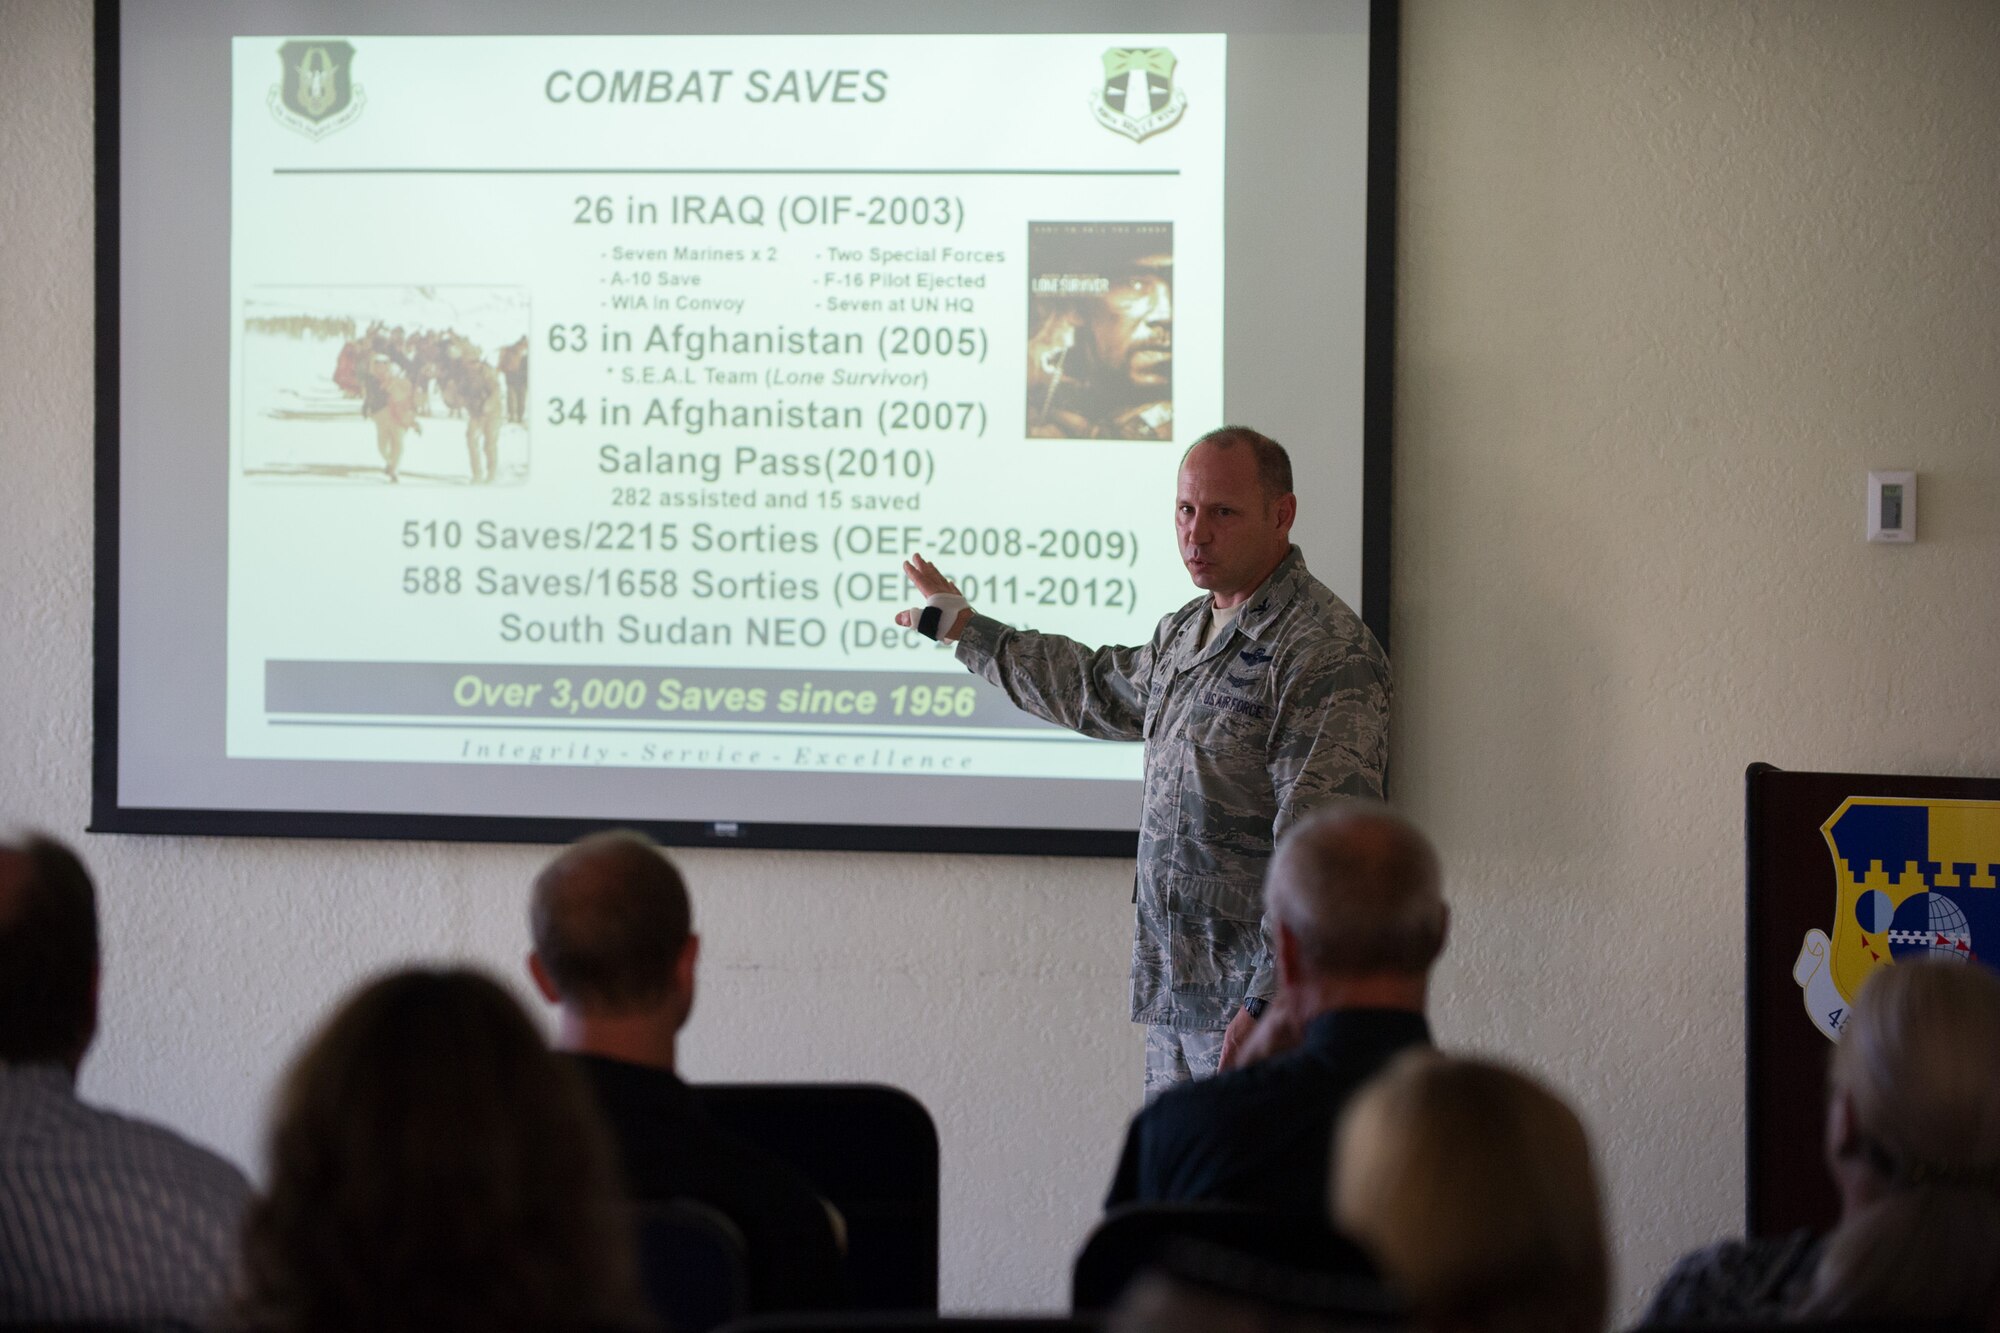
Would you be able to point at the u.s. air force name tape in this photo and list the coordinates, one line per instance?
(938, 613)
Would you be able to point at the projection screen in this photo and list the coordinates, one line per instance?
(513, 420)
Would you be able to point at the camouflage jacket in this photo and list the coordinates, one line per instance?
(1282, 713)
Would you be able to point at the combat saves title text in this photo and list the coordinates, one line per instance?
(591, 87)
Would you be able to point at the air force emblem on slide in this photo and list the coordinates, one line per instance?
(1138, 97)
(1913, 879)
(316, 93)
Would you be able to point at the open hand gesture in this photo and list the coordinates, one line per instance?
(929, 582)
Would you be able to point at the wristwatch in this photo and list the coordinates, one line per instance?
(1255, 1006)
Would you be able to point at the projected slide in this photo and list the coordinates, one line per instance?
(587, 393)
(514, 418)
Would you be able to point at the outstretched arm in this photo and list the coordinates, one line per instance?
(1098, 691)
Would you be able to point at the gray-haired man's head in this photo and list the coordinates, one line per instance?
(1357, 887)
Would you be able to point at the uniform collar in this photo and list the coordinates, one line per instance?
(1340, 1029)
(1260, 609)
(1265, 605)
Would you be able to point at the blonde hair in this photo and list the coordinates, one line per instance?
(1472, 1187)
(1920, 1059)
(1915, 1254)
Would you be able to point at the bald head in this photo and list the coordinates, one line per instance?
(1357, 887)
(610, 920)
(48, 954)
(1273, 464)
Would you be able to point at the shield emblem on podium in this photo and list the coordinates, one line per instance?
(1914, 879)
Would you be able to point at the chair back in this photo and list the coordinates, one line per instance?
(1140, 1236)
(870, 1151)
(692, 1264)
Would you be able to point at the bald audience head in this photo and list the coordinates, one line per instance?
(1354, 895)
(613, 943)
(48, 955)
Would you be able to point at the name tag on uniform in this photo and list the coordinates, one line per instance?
(1246, 707)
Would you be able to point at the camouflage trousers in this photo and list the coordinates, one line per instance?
(1176, 1055)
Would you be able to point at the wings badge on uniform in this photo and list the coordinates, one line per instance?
(1913, 879)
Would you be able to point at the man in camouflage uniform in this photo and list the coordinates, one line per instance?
(1259, 701)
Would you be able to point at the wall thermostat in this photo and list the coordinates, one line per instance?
(1892, 506)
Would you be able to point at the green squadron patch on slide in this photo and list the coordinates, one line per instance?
(316, 93)
(1138, 98)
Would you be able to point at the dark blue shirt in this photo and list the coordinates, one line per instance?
(1262, 1135)
(670, 1149)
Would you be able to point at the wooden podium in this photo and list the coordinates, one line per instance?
(1846, 872)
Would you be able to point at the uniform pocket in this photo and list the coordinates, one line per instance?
(1224, 808)
(1214, 937)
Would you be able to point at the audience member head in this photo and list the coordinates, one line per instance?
(1358, 913)
(1913, 1093)
(435, 1168)
(48, 955)
(614, 948)
(1472, 1188)
(1924, 1253)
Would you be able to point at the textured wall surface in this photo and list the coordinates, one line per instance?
(1673, 277)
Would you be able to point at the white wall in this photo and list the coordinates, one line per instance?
(1673, 276)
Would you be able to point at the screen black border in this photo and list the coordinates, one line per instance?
(108, 816)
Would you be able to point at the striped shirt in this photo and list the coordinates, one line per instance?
(104, 1217)
(1757, 1280)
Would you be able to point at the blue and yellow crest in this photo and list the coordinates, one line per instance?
(1913, 879)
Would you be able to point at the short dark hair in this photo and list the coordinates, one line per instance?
(1274, 465)
(48, 956)
(610, 917)
(434, 1166)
